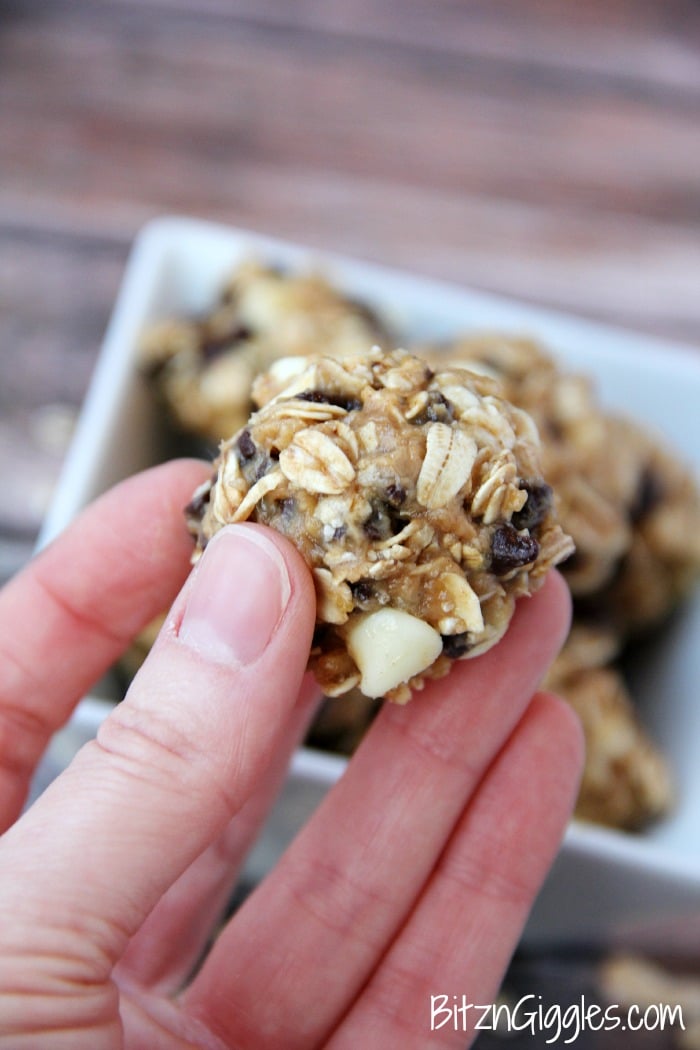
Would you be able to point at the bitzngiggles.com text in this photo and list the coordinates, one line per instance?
(559, 1024)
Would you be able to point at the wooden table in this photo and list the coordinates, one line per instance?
(547, 150)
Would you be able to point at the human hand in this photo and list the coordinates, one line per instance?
(413, 878)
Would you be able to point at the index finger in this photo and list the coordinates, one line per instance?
(73, 610)
(317, 927)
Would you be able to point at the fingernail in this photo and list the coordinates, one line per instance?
(237, 596)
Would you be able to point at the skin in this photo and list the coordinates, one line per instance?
(414, 877)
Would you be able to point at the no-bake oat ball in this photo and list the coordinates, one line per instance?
(414, 495)
(203, 367)
(631, 507)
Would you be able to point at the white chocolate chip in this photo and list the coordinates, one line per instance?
(390, 647)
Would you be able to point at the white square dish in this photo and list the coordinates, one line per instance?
(605, 884)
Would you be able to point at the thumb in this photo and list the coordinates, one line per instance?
(176, 759)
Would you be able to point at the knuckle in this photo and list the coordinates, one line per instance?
(158, 753)
(488, 874)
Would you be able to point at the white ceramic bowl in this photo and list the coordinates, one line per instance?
(604, 883)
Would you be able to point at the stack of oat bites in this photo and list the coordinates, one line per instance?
(427, 489)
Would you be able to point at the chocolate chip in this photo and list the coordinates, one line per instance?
(576, 562)
(362, 591)
(245, 445)
(383, 520)
(263, 467)
(287, 507)
(350, 404)
(152, 370)
(395, 494)
(213, 346)
(438, 410)
(455, 645)
(650, 492)
(198, 504)
(378, 524)
(511, 549)
(536, 506)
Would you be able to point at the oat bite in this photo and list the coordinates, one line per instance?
(626, 782)
(203, 367)
(414, 495)
(631, 507)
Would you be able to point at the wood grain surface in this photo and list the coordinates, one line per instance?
(547, 150)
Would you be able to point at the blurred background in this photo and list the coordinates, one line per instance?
(545, 150)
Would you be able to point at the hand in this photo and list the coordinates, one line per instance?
(413, 878)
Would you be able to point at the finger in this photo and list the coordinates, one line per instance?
(170, 767)
(457, 942)
(165, 950)
(68, 616)
(315, 929)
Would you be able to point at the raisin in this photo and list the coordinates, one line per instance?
(245, 445)
(511, 549)
(538, 502)
(455, 645)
